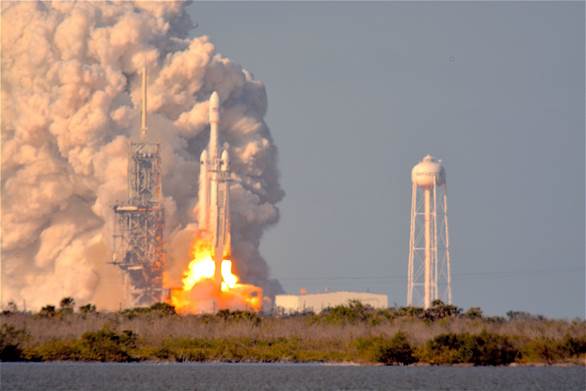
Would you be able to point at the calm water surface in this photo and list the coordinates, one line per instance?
(169, 377)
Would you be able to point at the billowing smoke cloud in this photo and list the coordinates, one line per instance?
(70, 99)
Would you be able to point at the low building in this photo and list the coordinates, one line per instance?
(317, 302)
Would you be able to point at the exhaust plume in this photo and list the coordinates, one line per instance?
(70, 105)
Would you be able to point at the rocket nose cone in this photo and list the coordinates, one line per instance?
(214, 108)
(225, 159)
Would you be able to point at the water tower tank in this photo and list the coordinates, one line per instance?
(427, 171)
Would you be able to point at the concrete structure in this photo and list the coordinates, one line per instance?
(317, 302)
(138, 226)
(429, 266)
(213, 208)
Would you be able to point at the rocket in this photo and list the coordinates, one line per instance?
(214, 191)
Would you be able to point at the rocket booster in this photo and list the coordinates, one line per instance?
(214, 190)
(204, 192)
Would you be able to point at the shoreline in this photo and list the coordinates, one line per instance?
(308, 363)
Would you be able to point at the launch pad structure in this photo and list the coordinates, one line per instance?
(139, 223)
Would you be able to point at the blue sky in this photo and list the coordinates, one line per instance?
(359, 92)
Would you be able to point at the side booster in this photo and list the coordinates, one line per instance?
(214, 192)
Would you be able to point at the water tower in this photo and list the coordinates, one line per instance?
(429, 269)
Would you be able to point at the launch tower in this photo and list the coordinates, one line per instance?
(138, 226)
(429, 268)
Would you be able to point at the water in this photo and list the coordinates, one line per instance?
(171, 377)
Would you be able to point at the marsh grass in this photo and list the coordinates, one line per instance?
(356, 333)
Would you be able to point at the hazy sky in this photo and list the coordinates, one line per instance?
(358, 93)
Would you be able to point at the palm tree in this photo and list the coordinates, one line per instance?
(66, 305)
(87, 309)
(48, 311)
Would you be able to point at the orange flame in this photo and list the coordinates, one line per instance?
(201, 267)
(200, 292)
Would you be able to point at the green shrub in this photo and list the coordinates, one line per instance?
(495, 319)
(48, 311)
(473, 313)
(87, 309)
(446, 349)
(231, 316)
(389, 351)
(522, 315)
(236, 349)
(573, 346)
(11, 343)
(135, 312)
(162, 309)
(478, 349)
(66, 306)
(396, 351)
(55, 350)
(386, 313)
(411, 312)
(550, 350)
(355, 311)
(11, 308)
(492, 349)
(157, 309)
(191, 355)
(439, 310)
(108, 345)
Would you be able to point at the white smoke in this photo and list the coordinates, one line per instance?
(70, 99)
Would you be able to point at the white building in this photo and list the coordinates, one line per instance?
(317, 302)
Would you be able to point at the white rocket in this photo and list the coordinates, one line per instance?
(214, 190)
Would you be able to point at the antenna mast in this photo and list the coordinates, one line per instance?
(143, 111)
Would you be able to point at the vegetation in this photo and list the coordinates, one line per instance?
(12, 341)
(394, 351)
(481, 349)
(443, 334)
(87, 309)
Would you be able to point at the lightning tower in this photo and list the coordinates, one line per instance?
(429, 268)
(138, 227)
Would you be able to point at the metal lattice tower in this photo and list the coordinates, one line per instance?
(139, 223)
(429, 268)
